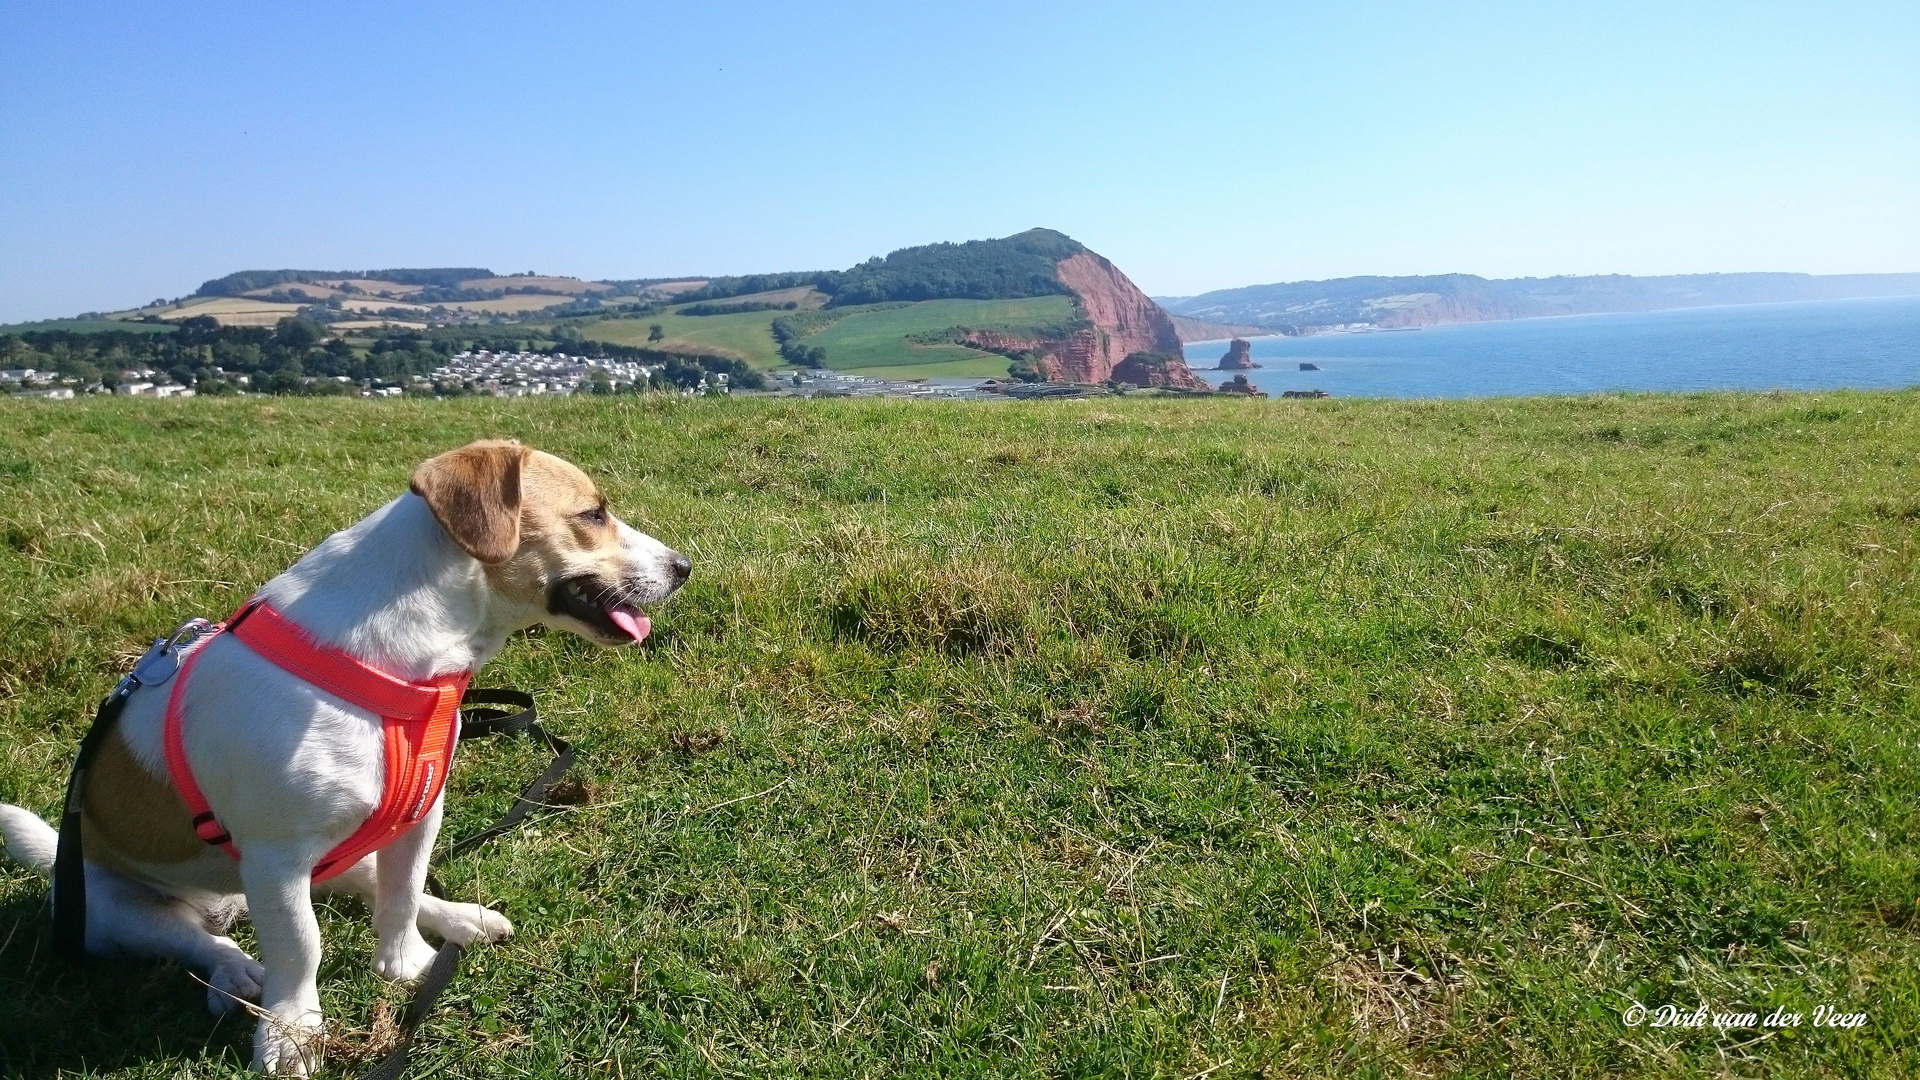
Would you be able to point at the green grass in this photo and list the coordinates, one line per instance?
(877, 339)
(1129, 737)
(745, 335)
(870, 342)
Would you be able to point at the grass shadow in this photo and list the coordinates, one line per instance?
(67, 1019)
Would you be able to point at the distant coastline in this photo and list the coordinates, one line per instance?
(1387, 303)
(1332, 331)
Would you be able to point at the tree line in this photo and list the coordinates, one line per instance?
(244, 281)
(1008, 268)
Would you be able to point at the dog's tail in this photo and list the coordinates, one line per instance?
(30, 841)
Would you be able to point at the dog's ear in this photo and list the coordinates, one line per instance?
(474, 493)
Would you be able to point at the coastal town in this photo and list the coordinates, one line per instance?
(514, 374)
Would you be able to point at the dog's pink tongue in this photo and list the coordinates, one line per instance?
(636, 625)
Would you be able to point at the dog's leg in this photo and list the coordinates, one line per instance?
(462, 924)
(280, 898)
(397, 957)
(400, 876)
(126, 916)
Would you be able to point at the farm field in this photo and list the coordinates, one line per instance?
(745, 335)
(228, 310)
(804, 295)
(381, 303)
(518, 304)
(570, 285)
(869, 342)
(877, 339)
(1127, 737)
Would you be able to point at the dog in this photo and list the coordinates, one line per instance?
(491, 538)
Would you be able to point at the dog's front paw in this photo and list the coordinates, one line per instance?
(465, 924)
(404, 958)
(288, 1046)
(233, 982)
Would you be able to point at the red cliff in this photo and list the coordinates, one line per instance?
(1130, 338)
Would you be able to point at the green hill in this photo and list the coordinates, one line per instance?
(896, 316)
(885, 316)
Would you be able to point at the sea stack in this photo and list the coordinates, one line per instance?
(1239, 356)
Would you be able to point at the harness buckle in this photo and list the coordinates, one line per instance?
(162, 659)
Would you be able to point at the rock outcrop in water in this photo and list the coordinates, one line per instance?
(1121, 322)
(1146, 369)
(1239, 356)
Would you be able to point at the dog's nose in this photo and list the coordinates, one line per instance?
(682, 567)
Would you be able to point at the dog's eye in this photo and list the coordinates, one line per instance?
(595, 516)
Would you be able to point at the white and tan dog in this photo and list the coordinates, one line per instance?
(492, 538)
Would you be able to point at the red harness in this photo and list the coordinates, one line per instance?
(420, 721)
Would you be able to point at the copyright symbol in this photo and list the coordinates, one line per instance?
(1635, 1015)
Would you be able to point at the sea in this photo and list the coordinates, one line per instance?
(1816, 345)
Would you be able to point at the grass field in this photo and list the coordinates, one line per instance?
(571, 285)
(877, 339)
(1133, 737)
(867, 342)
(517, 304)
(745, 335)
(381, 303)
(229, 310)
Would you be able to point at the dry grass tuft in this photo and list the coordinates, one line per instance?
(347, 1047)
(696, 743)
(1389, 996)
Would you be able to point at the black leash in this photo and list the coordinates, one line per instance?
(69, 868)
(478, 719)
(157, 665)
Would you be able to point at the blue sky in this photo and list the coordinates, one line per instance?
(147, 147)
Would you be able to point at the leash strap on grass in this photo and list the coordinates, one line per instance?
(439, 973)
(477, 720)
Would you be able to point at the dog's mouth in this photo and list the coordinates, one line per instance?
(601, 606)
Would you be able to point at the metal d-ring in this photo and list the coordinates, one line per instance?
(162, 659)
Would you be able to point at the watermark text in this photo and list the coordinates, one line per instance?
(1718, 1019)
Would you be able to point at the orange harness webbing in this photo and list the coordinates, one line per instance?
(420, 721)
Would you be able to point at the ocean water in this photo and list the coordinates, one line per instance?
(1821, 345)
